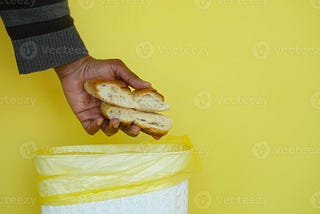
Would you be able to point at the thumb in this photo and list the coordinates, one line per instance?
(125, 74)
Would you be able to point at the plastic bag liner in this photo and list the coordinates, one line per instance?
(90, 173)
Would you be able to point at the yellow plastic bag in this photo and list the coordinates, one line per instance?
(87, 173)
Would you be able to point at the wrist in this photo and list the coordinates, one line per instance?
(67, 69)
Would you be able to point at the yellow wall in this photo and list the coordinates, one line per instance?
(243, 80)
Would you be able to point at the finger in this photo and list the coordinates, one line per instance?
(92, 126)
(123, 72)
(131, 130)
(110, 127)
(88, 113)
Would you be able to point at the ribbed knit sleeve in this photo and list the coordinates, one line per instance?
(42, 33)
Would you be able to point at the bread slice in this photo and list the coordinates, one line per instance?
(150, 123)
(119, 94)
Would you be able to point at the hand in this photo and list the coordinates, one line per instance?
(86, 107)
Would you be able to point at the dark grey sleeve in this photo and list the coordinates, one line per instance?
(42, 33)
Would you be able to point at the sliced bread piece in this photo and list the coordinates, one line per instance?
(119, 94)
(150, 123)
(113, 92)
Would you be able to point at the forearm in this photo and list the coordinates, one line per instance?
(42, 34)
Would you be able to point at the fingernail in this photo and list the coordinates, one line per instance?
(99, 121)
(147, 83)
(135, 130)
(115, 125)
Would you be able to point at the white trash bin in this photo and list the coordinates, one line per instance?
(115, 179)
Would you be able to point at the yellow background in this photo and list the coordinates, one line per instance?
(243, 81)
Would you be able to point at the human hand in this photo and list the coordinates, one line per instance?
(86, 107)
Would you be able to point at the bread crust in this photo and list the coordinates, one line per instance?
(153, 132)
(99, 80)
(139, 92)
(91, 86)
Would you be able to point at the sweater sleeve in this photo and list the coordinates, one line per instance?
(42, 33)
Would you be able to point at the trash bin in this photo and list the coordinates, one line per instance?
(151, 178)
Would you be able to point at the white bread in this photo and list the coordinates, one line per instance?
(119, 94)
(151, 123)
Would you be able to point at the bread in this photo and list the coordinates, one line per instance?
(150, 123)
(119, 94)
(136, 107)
